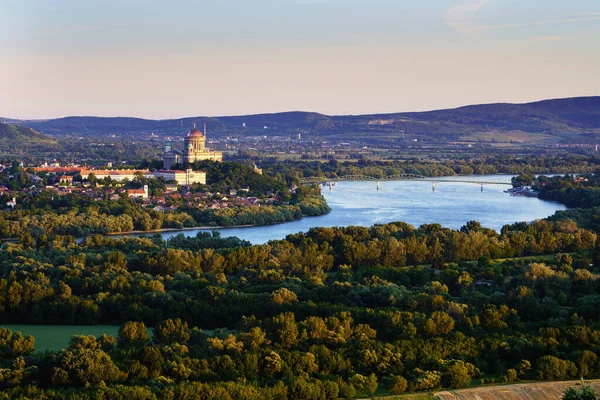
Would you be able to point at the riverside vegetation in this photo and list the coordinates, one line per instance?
(335, 312)
(40, 213)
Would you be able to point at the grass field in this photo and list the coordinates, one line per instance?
(409, 396)
(56, 337)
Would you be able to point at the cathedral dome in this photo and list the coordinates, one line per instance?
(194, 133)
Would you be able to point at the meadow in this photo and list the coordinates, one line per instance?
(57, 337)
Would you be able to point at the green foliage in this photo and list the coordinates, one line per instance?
(132, 334)
(553, 368)
(83, 367)
(14, 344)
(586, 392)
(331, 312)
(17, 140)
(171, 331)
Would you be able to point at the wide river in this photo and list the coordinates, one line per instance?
(451, 204)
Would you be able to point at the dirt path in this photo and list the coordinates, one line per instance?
(529, 391)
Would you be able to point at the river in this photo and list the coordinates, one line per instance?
(451, 204)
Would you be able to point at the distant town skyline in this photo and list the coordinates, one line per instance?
(182, 58)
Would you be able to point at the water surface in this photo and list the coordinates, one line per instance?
(452, 204)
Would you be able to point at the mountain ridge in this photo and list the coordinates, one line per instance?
(574, 115)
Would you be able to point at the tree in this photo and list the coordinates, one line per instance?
(398, 384)
(550, 368)
(440, 323)
(13, 344)
(371, 385)
(132, 334)
(283, 296)
(586, 364)
(273, 363)
(511, 375)
(84, 366)
(92, 179)
(456, 375)
(171, 331)
(331, 390)
(523, 367)
(286, 330)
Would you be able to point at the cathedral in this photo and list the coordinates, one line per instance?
(194, 150)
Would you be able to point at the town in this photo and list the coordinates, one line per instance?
(161, 190)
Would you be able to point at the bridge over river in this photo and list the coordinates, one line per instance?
(319, 180)
(401, 177)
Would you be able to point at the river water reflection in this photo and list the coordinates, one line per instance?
(451, 204)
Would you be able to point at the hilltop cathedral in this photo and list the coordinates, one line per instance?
(194, 150)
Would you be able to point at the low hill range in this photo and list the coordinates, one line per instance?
(20, 137)
(559, 118)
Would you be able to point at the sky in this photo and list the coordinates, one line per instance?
(168, 59)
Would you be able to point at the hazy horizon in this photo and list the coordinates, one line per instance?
(90, 115)
(163, 60)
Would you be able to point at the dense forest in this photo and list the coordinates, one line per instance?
(335, 312)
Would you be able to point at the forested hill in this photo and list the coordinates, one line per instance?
(20, 137)
(559, 116)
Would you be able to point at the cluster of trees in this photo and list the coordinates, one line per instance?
(328, 313)
(310, 201)
(580, 193)
(233, 175)
(236, 216)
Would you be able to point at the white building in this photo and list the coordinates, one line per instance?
(142, 193)
(115, 174)
(182, 177)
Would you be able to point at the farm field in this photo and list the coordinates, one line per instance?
(519, 391)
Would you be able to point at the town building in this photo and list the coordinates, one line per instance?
(181, 177)
(66, 180)
(171, 187)
(141, 193)
(115, 174)
(171, 157)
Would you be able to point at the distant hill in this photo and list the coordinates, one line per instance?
(549, 117)
(16, 134)
(9, 120)
(15, 139)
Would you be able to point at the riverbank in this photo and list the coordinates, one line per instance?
(187, 228)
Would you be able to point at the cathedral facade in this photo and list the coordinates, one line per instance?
(194, 150)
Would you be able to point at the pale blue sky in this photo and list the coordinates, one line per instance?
(161, 59)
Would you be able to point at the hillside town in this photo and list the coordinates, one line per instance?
(162, 190)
